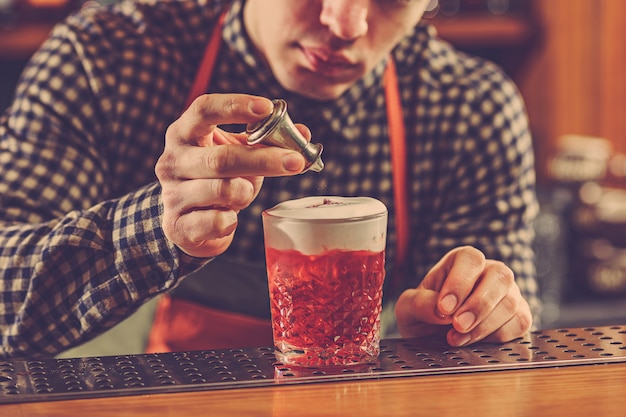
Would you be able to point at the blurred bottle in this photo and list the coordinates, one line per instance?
(596, 179)
(599, 229)
(551, 250)
(450, 8)
(579, 159)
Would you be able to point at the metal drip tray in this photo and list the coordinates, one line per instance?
(108, 376)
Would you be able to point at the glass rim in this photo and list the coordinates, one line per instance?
(354, 219)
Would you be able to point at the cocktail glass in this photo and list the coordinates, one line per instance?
(326, 266)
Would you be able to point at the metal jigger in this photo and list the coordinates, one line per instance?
(278, 130)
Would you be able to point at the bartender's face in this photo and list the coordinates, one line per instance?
(319, 48)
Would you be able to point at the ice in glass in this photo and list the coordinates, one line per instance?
(326, 265)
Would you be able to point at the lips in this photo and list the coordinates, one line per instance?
(326, 62)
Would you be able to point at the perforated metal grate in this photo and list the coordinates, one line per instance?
(55, 379)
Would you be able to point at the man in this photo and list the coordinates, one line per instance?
(89, 234)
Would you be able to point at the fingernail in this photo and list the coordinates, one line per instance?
(461, 339)
(260, 106)
(466, 320)
(439, 313)
(231, 221)
(292, 161)
(448, 303)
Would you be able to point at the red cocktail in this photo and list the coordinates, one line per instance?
(326, 307)
(326, 270)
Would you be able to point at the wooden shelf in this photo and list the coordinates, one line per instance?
(21, 41)
(484, 31)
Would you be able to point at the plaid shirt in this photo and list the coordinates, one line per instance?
(81, 244)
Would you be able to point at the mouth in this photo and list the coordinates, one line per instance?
(328, 63)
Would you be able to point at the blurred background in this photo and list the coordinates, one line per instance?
(568, 58)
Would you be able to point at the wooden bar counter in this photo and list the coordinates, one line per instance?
(566, 372)
(595, 390)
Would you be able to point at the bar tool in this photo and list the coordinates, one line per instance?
(277, 129)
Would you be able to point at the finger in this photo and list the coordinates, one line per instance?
(415, 308)
(209, 110)
(202, 232)
(496, 282)
(457, 274)
(519, 325)
(511, 318)
(304, 130)
(233, 193)
(233, 161)
(223, 137)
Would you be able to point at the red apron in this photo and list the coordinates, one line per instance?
(181, 325)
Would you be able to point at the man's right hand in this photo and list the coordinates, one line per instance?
(208, 175)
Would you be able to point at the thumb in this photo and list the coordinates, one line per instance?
(417, 308)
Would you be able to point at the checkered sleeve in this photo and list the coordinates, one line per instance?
(78, 251)
(69, 278)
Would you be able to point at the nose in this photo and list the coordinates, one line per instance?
(346, 19)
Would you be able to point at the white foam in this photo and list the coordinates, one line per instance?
(312, 225)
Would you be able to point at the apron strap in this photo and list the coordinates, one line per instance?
(203, 76)
(397, 139)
